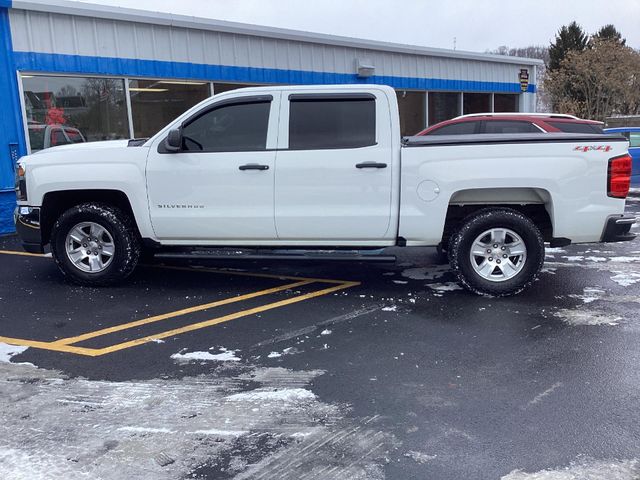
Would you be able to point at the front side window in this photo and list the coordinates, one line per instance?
(94, 107)
(240, 127)
(317, 123)
(510, 126)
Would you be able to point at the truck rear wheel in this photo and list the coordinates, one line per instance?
(496, 251)
(95, 244)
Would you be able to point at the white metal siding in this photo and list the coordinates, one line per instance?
(44, 32)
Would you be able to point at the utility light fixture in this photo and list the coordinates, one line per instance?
(365, 68)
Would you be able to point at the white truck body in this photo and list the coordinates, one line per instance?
(317, 197)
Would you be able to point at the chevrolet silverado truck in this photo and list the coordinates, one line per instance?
(322, 169)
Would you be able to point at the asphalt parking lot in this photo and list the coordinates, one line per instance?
(335, 370)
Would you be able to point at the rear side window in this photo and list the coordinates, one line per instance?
(510, 126)
(230, 128)
(323, 123)
(634, 139)
(462, 128)
(571, 127)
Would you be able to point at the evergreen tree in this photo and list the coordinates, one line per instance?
(609, 32)
(569, 38)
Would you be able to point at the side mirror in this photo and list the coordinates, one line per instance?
(173, 142)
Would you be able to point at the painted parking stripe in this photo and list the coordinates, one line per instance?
(68, 345)
(177, 313)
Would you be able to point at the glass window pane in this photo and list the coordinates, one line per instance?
(573, 127)
(443, 106)
(505, 102)
(89, 108)
(476, 103)
(634, 139)
(412, 111)
(320, 124)
(509, 126)
(231, 128)
(155, 103)
(462, 128)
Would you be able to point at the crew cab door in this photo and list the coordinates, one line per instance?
(333, 167)
(219, 185)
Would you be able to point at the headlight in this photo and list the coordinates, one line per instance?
(21, 181)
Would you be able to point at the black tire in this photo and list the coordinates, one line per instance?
(442, 254)
(474, 225)
(120, 227)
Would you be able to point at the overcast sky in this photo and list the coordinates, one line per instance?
(478, 25)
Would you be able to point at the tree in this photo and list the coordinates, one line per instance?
(570, 38)
(597, 82)
(609, 32)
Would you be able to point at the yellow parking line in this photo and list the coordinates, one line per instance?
(23, 254)
(226, 318)
(48, 346)
(177, 313)
(245, 274)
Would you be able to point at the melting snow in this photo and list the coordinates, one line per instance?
(626, 279)
(284, 395)
(325, 332)
(391, 308)
(586, 317)
(7, 351)
(444, 287)
(594, 469)
(430, 273)
(224, 356)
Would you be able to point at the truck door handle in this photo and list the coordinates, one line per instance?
(253, 166)
(371, 165)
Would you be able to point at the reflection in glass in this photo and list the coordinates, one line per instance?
(155, 103)
(412, 111)
(62, 110)
(443, 106)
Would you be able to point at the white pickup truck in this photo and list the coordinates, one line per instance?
(322, 168)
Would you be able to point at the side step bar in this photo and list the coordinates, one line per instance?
(304, 255)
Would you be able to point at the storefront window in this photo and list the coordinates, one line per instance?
(155, 103)
(411, 105)
(63, 110)
(225, 87)
(477, 103)
(505, 102)
(443, 106)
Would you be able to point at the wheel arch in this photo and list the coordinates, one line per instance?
(534, 203)
(56, 202)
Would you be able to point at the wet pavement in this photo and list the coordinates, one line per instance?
(322, 370)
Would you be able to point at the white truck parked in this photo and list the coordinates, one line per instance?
(322, 168)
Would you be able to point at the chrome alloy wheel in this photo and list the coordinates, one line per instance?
(498, 254)
(90, 247)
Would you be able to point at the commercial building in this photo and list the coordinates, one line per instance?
(73, 72)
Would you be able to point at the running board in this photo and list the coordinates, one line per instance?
(304, 255)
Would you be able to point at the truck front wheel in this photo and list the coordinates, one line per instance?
(95, 244)
(496, 251)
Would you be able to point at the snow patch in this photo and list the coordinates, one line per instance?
(391, 308)
(7, 351)
(290, 395)
(595, 469)
(573, 258)
(624, 259)
(626, 279)
(586, 318)
(444, 287)
(591, 294)
(419, 457)
(554, 250)
(325, 332)
(224, 356)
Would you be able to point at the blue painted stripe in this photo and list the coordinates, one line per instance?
(5, 3)
(49, 62)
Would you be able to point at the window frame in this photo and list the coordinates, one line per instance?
(329, 96)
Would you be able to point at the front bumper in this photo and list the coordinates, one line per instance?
(618, 228)
(27, 220)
